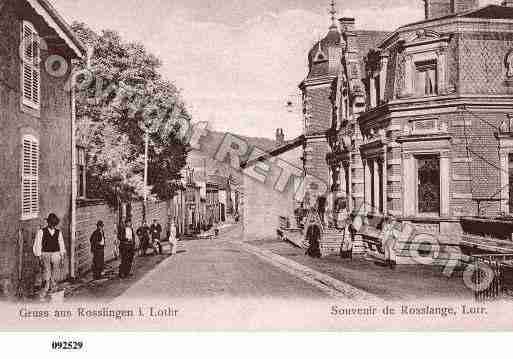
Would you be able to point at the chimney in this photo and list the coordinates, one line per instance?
(347, 24)
(280, 136)
(464, 5)
(507, 3)
(439, 8)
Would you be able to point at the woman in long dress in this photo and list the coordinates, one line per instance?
(173, 240)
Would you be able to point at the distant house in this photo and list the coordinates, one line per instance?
(266, 198)
(36, 138)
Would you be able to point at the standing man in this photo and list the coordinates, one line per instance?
(156, 232)
(391, 233)
(50, 250)
(126, 248)
(98, 249)
(143, 233)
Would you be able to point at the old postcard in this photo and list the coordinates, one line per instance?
(256, 165)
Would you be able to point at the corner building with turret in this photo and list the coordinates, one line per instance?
(416, 124)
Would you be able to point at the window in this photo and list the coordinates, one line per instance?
(377, 88)
(428, 177)
(30, 178)
(347, 183)
(81, 172)
(30, 70)
(372, 188)
(426, 79)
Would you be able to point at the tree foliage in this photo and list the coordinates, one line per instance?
(122, 95)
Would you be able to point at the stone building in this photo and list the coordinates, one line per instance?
(416, 123)
(435, 137)
(36, 114)
(334, 95)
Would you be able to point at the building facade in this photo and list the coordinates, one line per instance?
(415, 124)
(435, 136)
(36, 115)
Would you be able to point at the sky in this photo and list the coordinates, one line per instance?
(237, 62)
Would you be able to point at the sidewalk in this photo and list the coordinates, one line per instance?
(112, 286)
(412, 282)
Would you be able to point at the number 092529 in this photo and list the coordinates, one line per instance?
(71, 345)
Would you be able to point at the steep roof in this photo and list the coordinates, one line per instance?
(203, 160)
(57, 23)
(490, 12)
(485, 12)
(277, 151)
(321, 68)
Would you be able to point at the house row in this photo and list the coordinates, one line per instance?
(207, 198)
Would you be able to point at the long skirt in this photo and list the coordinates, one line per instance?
(98, 262)
(174, 245)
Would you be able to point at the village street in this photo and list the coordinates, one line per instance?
(219, 267)
(268, 268)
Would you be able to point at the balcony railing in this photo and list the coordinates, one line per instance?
(493, 276)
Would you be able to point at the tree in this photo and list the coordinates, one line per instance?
(121, 97)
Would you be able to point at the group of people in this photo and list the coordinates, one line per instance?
(50, 251)
(129, 242)
(349, 223)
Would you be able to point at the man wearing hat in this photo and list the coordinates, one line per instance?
(98, 249)
(50, 250)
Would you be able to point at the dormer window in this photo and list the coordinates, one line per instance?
(320, 56)
(425, 65)
(426, 83)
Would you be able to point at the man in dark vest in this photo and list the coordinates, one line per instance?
(126, 248)
(98, 249)
(143, 233)
(50, 250)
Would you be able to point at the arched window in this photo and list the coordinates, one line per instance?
(30, 66)
(30, 178)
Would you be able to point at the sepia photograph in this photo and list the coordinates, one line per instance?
(236, 165)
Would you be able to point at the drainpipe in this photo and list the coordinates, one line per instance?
(72, 268)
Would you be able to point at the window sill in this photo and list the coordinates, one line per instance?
(33, 111)
(29, 217)
(429, 218)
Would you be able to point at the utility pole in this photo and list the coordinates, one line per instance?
(146, 145)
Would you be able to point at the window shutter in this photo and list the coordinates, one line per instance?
(31, 75)
(30, 178)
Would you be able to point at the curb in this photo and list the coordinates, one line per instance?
(333, 287)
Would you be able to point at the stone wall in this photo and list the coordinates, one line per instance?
(89, 215)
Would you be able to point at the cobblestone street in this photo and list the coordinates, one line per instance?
(269, 268)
